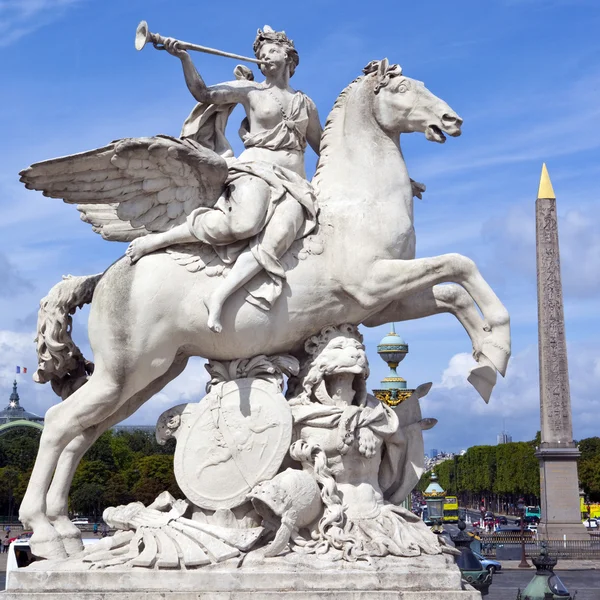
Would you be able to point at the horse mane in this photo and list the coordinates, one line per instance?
(329, 128)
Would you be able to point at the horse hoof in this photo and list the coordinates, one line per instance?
(52, 548)
(483, 379)
(497, 355)
(73, 545)
(69, 533)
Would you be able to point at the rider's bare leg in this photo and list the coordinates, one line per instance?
(245, 268)
(155, 241)
(237, 215)
(278, 235)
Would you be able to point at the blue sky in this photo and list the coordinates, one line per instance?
(524, 75)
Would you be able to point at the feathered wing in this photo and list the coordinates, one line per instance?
(133, 186)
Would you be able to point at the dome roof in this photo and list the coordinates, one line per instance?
(15, 412)
(392, 339)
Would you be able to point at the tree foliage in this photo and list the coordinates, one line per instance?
(121, 467)
(493, 475)
(589, 467)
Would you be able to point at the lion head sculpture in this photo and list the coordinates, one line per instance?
(335, 350)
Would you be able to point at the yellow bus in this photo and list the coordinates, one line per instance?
(594, 509)
(450, 509)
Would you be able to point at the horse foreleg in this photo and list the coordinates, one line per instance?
(453, 299)
(58, 494)
(105, 392)
(390, 280)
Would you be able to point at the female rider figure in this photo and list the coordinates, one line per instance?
(268, 200)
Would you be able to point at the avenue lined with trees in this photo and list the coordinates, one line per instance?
(500, 475)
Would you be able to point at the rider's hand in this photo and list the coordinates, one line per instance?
(173, 46)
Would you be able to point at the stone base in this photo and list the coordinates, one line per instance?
(301, 595)
(296, 578)
(560, 494)
(557, 531)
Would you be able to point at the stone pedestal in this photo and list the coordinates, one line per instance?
(419, 578)
(559, 494)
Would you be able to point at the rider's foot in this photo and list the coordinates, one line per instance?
(214, 315)
(142, 246)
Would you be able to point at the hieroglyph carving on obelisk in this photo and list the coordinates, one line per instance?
(554, 373)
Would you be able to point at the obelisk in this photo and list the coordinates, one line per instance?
(557, 452)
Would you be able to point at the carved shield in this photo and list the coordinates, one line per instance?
(237, 436)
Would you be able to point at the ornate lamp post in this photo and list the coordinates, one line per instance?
(589, 513)
(392, 349)
(434, 496)
(521, 506)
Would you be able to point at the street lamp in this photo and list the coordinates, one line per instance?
(589, 514)
(434, 497)
(521, 506)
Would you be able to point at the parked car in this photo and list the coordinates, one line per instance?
(509, 529)
(527, 521)
(488, 563)
(80, 521)
(591, 523)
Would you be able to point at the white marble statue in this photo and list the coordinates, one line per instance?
(233, 258)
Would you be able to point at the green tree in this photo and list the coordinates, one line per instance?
(102, 451)
(154, 475)
(18, 448)
(88, 499)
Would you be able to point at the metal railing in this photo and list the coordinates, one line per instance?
(565, 549)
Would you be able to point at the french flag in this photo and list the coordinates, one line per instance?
(21, 369)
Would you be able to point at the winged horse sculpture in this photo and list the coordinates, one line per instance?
(147, 319)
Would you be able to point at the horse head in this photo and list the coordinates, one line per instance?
(405, 105)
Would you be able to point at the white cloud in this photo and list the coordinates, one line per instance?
(19, 18)
(455, 375)
(464, 419)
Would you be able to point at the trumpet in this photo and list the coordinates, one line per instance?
(143, 35)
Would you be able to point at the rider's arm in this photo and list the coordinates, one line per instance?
(233, 92)
(314, 131)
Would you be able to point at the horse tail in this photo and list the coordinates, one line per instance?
(59, 360)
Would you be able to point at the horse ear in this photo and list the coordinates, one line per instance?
(383, 67)
(382, 75)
